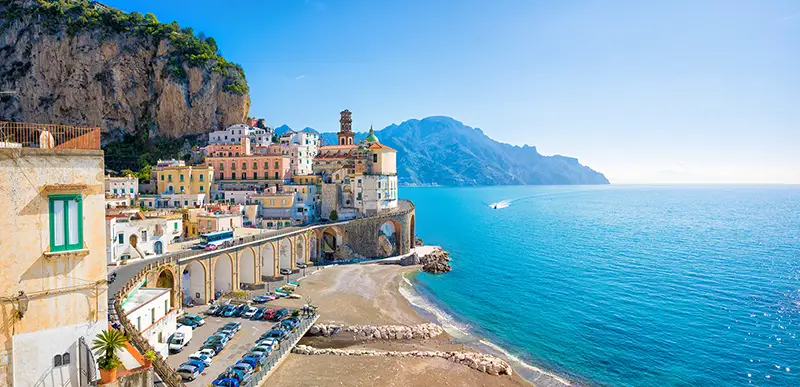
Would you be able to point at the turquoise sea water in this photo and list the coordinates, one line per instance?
(625, 286)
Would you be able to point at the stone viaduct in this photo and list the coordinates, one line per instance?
(199, 275)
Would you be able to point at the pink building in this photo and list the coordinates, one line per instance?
(218, 222)
(237, 162)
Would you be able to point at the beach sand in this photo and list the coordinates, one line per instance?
(369, 294)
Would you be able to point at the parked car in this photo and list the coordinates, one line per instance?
(207, 352)
(234, 326)
(188, 371)
(199, 320)
(290, 323)
(259, 314)
(280, 314)
(260, 299)
(255, 358)
(211, 247)
(301, 265)
(240, 311)
(270, 342)
(246, 369)
(215, 346)
(197, 363)
(275, 334)
(229, 311)
(223, 338)
(213, 310)
(225, 381)
(229, 333)
(262, 349)
(200, 357)
(286, 272)
(250, 312)
(188, 322)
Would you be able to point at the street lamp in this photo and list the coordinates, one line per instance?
(22, 303)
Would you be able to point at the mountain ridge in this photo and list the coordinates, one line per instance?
(440, 150)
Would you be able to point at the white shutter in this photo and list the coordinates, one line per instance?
(58, 220)
(72, 217)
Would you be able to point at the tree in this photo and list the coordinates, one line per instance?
(106, 344)
(150, 18)
(127, 172)
(261, 123)
(145, 173)
(334, 215)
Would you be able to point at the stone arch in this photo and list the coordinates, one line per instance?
(194, 282)
(285, 253)
(332, 239)
(413, 232)
(389, 237)
(268, 258)
(248, 271)
(224, 279)
(166, 280)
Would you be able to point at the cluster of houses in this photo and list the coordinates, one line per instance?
(254, 179)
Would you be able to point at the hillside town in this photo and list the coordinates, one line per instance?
(95, 259)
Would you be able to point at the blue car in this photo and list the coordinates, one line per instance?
(229, 311)
(196, 363)
(275, 334)
(255, 358)
(259, 314)
(260, 299)
(226, 382)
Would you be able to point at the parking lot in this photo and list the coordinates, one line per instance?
(240, 344)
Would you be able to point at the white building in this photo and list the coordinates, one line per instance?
(300, 148)
(374, 193)
(122, 187)
(181, 200)
(131, 237)
(234, 133)
(304, 209)
(151, 312)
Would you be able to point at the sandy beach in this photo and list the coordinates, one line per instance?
(369, 294)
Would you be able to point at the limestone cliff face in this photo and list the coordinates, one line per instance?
(116, 81)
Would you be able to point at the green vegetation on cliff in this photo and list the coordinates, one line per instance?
(76, 16)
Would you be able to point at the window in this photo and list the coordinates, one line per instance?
(131, 190)
(233, 166)
(175, 226)
(266, 165)
(115, 190)
(359, 196)
(244, 166)
(139, 323)
(276, 175)
(255, 175)
(222, 175)
(65, 358)
(374, 157)
(181, 188)
(201, 177)
(255, 165)
(202, 188)
(121, 238)
(162, 177)
(208, 223)
(379, 185)
(58, 361)
(233, 175)
(272, 202)
(177, 203)
(166, 306)
(144, 235)
(181, 177)
(185, 202)
(152, 316)
(66, 222)
(169, 177)
(276, 165)
(283, 202)
(379, 195)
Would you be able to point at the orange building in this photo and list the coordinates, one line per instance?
(237, 162)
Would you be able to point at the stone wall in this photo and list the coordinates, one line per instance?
(379, 332)
(477, 361)
(141, 378)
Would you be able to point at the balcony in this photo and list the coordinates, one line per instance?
(48, 136)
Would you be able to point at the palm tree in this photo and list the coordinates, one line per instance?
(106, 345)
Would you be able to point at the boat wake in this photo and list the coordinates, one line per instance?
(500, 204)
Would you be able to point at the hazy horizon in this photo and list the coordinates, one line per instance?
(677, 91)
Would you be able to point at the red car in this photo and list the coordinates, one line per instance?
(269, 314)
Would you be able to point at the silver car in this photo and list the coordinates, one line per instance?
(188, 372)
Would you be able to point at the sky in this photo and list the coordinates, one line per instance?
(660, 91)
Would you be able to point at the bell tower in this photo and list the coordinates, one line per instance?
(345, 135)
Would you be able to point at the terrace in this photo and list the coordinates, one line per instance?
(48, 136)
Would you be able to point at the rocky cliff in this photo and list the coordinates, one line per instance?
(82, 63)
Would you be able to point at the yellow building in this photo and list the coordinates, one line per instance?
(53, 291)
(310, 179)
(190, 222)
(184, 179)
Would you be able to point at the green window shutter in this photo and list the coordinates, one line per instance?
(66, 222)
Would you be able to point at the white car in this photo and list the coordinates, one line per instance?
(250, 312)
(286, 271)
(208, 352)
(200, 357)
(272, 343)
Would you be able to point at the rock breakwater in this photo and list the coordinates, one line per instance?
(379, 332)
(477, 361)
(436, 262)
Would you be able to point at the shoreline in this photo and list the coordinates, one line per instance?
(426, 307)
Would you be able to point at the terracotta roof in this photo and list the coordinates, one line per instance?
(379, 146)
(333, 147)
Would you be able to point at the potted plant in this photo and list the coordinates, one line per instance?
(149, 357)
(105, 346)
(295, 313)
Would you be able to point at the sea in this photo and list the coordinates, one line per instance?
(619, 285)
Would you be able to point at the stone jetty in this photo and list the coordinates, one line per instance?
(477, 361)
(379, 332)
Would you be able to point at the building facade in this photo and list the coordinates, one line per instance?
(214, 222)
(235, 133)
(150, 311)
(133, 237)
(53, 292)
(122, 187)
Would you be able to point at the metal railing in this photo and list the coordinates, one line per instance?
(277, 355)
(48, 136)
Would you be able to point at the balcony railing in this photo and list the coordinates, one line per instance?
(47, 136)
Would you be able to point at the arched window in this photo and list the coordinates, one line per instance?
(65, 358)
(57, 361)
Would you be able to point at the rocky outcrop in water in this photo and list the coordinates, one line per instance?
(83, 63)
(410, 260)
(436, 262)
(379, 332)
(477, 361)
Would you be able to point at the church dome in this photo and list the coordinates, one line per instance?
(371, 138)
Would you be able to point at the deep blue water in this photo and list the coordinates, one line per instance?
(629, 285)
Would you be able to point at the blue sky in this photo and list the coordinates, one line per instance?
(644, 91)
